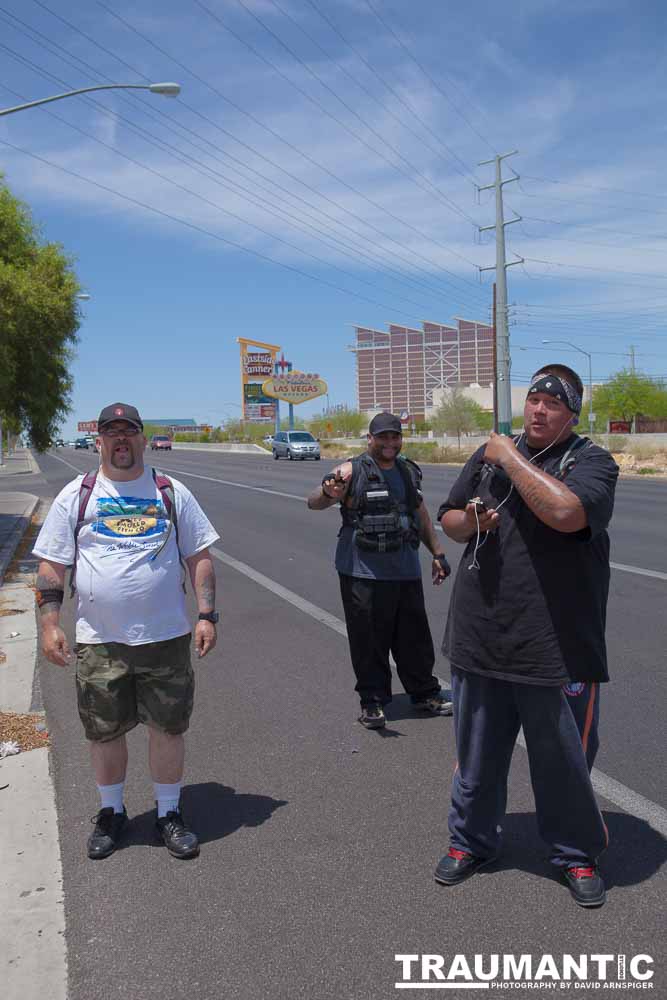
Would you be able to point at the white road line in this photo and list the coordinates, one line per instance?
(637, 569)
(319, 614)
(654, 573)
(241, 486)
(81, 472)
(628, 800)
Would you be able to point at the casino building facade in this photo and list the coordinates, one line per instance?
(400, 369)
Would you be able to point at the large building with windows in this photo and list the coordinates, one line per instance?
(399, 369)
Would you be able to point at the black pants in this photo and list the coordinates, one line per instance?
(384, 616)
(557, 727)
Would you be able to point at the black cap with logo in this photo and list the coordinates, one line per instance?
(385, 422)
(120, 411)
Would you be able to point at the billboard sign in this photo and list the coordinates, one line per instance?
(295, 387)
(87, 426)
(252, 393)
(261, 413)
(257, 363)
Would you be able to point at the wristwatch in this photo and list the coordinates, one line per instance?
(209, 616)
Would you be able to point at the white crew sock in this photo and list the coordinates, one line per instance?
(111, 796)
(167, 797)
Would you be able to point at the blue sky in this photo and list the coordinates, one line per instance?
(321, 163)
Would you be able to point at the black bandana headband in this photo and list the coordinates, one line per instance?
(557, 387)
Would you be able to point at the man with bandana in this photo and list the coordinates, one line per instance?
(526, 633)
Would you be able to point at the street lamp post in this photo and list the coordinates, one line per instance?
(166, 89)
(591, 415)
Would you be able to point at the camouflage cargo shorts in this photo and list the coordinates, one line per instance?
(119, 686)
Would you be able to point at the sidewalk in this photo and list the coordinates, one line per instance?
(16, 509)
(32, 923)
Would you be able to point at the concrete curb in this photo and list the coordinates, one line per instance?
(14, 539)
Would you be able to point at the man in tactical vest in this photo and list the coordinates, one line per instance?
(377, 558)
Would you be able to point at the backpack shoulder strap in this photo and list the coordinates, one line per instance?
(86, 488)
(569, 459)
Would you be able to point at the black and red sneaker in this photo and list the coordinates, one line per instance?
(456, 866)
(585, 884)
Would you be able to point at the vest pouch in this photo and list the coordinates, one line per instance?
(379, 532)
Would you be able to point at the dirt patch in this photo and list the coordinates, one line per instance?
(22, 729)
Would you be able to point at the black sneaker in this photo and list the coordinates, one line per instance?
(180, 841)
(108, 828)
(585, 884)
(437, 704)
(456, 866)
(372, 717)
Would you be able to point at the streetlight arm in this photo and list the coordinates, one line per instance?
(167, 89)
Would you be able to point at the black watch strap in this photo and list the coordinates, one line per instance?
(209, 616)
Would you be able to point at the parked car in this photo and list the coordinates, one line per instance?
(81, 443)
(295, 445)
(160, 442)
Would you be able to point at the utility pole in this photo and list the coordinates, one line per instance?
(503, 361)
(632, 359)
(495, 363)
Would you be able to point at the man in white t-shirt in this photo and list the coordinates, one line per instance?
(128, 533)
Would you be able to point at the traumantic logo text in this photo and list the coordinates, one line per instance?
(526, 972)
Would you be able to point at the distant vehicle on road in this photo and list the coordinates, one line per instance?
(81, 443)
(268, 439)
(295, 445)
(59, 443)
(160, 442)
(90, 438)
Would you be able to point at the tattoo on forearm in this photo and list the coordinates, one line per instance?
(206, 590)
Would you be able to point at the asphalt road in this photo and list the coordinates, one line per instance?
(319, 838)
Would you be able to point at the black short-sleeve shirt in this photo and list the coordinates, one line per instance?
(535, 610)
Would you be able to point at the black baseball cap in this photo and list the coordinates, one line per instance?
(120, 411)
(385, 422)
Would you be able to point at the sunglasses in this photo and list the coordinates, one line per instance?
(122, 432)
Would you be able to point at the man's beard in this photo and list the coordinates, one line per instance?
(125, 461)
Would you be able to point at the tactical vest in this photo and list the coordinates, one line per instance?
(378, 520)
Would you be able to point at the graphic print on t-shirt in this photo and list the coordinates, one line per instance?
(120, 517)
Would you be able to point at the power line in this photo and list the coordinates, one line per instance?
(587, 243)
(465, 173)
(318, 104)
(428, 76)
(200, 229)
(594, 227)
(589, 204)
(605, 270)
(392, 90)
(172, 122)
(596, 187)
(302, 153)
(220, 208)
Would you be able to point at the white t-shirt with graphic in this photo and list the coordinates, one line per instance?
(128, 584)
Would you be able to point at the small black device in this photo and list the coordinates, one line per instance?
(209, 616)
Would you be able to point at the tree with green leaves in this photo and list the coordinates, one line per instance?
(39, 318)
(458, 414)
(341, 422)
(628, 395)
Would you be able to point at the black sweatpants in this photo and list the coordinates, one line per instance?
(384, 616)
(560, 729)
